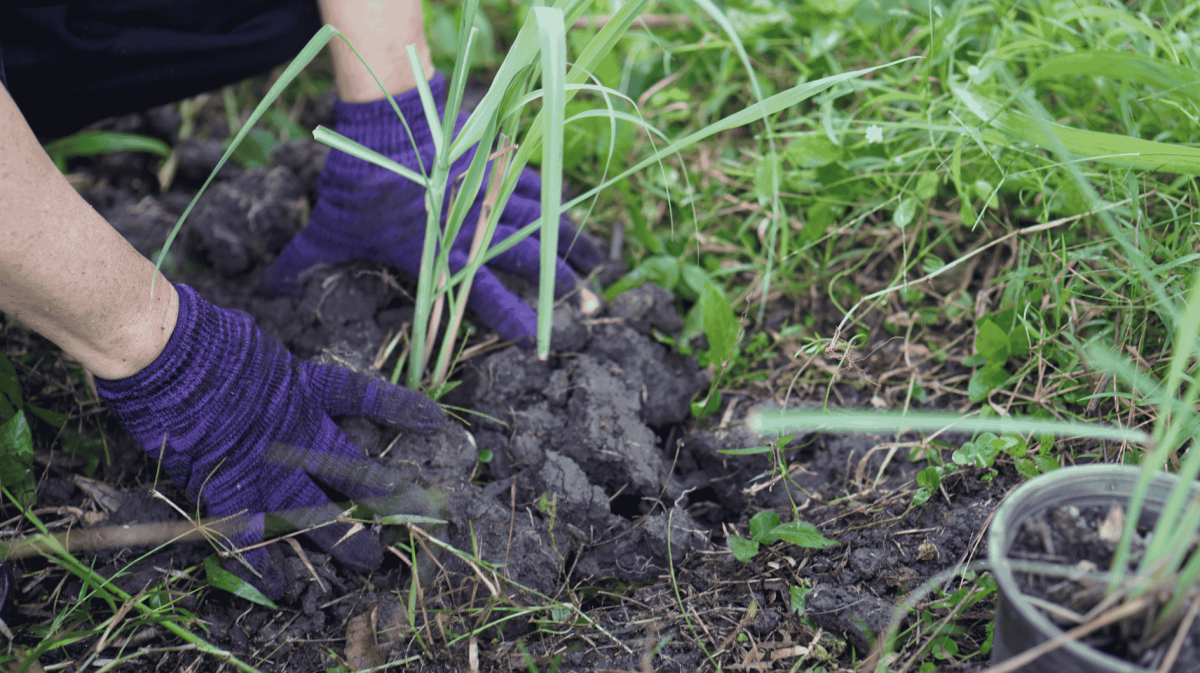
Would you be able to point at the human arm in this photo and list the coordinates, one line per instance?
(238, 422)
(67, 274)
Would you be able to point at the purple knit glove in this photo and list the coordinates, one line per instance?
(364, 211)
(245, 428)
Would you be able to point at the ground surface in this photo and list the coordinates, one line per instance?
(598, 527)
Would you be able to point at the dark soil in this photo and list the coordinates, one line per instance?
(600, 491)
(1071, 537)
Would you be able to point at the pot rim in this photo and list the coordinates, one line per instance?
(1092, 484)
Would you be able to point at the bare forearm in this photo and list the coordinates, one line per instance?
(381, 31)
(67, 274)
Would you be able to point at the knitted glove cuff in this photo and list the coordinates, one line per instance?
(375, 125)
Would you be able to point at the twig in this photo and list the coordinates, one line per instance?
(1185, 627)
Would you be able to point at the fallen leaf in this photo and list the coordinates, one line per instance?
(362, 651)
(1111, 528)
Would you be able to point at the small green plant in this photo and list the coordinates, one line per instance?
(16, 441)
(766, 528)
(1000, 336)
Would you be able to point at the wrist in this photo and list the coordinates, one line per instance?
(137, 339)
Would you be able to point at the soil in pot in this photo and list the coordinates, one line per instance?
(1082, 537)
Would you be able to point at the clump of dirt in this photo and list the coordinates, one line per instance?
(577, 481)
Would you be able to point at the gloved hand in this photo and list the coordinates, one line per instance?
(364, 211)
(241, 425)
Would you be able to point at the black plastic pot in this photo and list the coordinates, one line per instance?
(1019, 626)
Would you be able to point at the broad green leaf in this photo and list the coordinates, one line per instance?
(820, 216)
(743, 549)
(992, 343)
(768, 177)
(1047, 463)
(1018, 340)
(812, 150)
(761, 525)
(1013, 445)
(797, 597)
(1004, 319)
(803, 534)
(255, 150)
(986, 193)
(695, 279)
(16, 456)
(223, 579)
(930, 478)
(52, 417)
(662, 270)
(1107, 148)
(985, 380)
(905, 211)
(721, 326)
(10, 388)
(1026, 468)
(927, 186)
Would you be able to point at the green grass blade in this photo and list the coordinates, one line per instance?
(755, 112)
(777, 214)
(306, 55)
(462, 63)
(579, 72)
(340, 142)
(427, 102)
(521, 54)
(1093, 145)
(553, 35)
(1168, 432)
(1132, 24)
(778, 422)
(1121, 65)
(94, 143)
(1168, 308)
